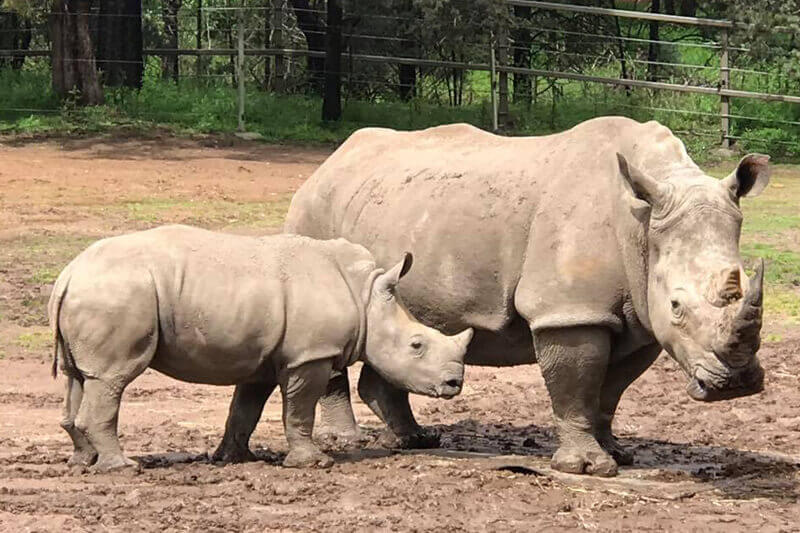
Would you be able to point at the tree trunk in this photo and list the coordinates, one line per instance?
(621, 47)
(278, 17)
(169, 62)
(200, 65)
(312, 26)
(688, 8)
(332, 98)
(522, 55)
(653, 48)
(74, 69)
(407, 74)
(15, 34)
(669, 7)
(119, 43)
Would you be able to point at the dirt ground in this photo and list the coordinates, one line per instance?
(718, 467)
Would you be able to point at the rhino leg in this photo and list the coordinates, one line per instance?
(84, 454)
(618, 378)
(391, 405)
(97, 419)
(574, 362)
(245, 410)
(302, 387)
(337, 421)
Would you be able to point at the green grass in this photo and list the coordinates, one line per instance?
(35, 340)
(218, 214)
(190, 107)
(44, 275)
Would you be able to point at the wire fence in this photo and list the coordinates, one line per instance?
(531, 72)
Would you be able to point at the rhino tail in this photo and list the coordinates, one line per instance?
(56, 299)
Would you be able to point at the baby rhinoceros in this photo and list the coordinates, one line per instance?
(221, 309)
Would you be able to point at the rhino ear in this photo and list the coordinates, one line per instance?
(386, 282)
(750, 177)
(644, 186)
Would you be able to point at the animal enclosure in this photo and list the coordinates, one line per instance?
(711, 466)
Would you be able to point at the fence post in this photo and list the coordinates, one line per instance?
(493, 85)
(240, 70)
(725, 82)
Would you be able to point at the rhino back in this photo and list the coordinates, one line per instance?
(229, 308)
(499, 226)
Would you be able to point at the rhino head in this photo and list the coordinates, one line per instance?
(702, 308)
(405, 352)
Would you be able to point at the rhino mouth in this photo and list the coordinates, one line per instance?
(448, 389)
(706, 386)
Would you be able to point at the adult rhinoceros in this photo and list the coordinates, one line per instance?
(587, 251)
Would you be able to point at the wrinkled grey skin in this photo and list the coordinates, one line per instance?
(221, 309)
(587, 251)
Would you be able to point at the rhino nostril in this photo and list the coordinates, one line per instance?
(701, 385)
(455, 383)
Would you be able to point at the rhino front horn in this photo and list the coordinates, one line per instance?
(755, 294)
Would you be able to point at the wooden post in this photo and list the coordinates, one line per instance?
(725, 82)
(493, 86)
(240, 69)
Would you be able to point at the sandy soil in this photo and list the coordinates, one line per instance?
(719, 467)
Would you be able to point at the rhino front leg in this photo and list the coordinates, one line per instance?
(574, 362)
(302, 387)
(618, 378)
(245, 410)
(391, 405)
(336, 419)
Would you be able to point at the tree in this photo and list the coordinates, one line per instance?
(15, 34)
(169, 14)
(521, 39)
(74, 68)
(119, 42)
(653, 49)
(311, 24)
(332, 97)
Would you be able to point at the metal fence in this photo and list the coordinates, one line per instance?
(265, 49)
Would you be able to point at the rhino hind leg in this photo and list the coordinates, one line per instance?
(97, 420)
(618, 378)
(391, 405)
(573, 362)
(302, 388)
(246, 407)
(84, 453)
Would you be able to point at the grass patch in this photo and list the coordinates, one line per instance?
(216, 214)
(44, 276)
(34, 340)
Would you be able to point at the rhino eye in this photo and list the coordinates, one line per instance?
(677, 308)
(416, 345)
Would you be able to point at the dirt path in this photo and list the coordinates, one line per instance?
(718, 467)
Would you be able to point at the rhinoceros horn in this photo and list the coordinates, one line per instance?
(738, 343)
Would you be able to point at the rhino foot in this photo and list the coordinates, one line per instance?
(421, 439)
(233, 454)
(307, 458)
(577, 461)
(339, 441)
(621, 455)
(114, 462)
(82, 458)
